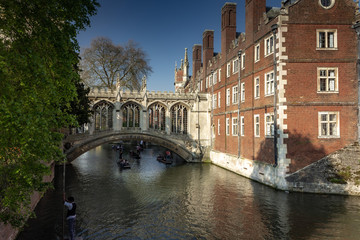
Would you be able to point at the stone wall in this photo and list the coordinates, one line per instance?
(7, 231)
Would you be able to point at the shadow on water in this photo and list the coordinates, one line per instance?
(302, 215)
(184, 201)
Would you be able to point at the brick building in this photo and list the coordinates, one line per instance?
(295, 66)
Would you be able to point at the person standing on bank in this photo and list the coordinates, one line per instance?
(71, 215)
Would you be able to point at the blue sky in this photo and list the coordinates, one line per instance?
(163, 29)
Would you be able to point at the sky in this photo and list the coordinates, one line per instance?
(162, 29)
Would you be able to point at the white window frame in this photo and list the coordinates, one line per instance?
(242, 126)
(332, 2)
(269, 125)
(235, 93)
(214, 100)
(257, 125)
(228, 96)
(269, 83)
(257, 87)
(257, 52)
(235, 66)
(242, 92)
(219, 97)
(234, 126)
(327, 123)
(206, 82)
(210, 80)
(201, 85)
(243, 57)
(227, 126)
(219, 75)
(215, 77)
(218, 126)
(327, 33)
(268, 46)
(328, 80)
(228, 70)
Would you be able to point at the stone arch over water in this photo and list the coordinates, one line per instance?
(91, 142)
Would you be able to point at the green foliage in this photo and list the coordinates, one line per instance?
(80, 107)
(337, 180)
(38, 50)
(346, 173)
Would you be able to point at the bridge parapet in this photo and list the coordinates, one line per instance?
(104, 92)
(183, 145)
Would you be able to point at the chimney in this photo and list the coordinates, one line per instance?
(208, 47)
(254, 10)
(228, 26)
(196, 59)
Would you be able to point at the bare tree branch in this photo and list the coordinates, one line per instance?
(103, 61)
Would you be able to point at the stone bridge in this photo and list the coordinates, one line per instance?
(77, 144)
(177, 121)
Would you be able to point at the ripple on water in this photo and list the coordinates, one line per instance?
(185, 201)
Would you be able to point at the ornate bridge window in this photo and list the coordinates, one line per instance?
(131, 115)
(179, 119)
(103, 112)
(157, 117)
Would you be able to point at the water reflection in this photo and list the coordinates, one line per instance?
(184, 201)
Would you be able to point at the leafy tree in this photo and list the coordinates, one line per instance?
(38, 49)
(80, 107)
(104, 62)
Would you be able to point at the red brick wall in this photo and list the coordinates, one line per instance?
(302, 99)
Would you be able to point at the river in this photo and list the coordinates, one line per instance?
(183, 201)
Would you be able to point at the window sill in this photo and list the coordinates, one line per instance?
(329, 137)
(327, 92)
(331, 49)
(269, 54)
(268, 95)
(267, 136)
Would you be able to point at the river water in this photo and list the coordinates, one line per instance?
(184, 201)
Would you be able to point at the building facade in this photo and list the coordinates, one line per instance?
(284, 93)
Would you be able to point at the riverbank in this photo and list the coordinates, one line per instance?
(7, 231)
(337, 173)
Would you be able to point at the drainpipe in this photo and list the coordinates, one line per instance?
(212, 107)
(274, 30)
(357, 29)
(239, 100)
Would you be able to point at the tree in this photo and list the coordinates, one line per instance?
(80, 107)
(38, 49)
(104, 62)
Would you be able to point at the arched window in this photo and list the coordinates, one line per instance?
(131, 115)
(103, 112)
(157, 117)
(179, 119)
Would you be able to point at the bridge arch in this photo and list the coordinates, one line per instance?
(90, 142)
